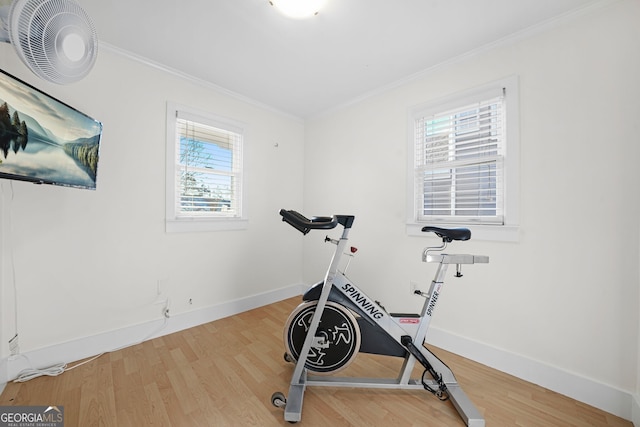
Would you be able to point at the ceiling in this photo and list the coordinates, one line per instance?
(304, 67)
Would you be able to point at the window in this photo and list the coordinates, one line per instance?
(204, 171)
(464, 159)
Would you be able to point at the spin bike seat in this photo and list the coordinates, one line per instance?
(450, 234)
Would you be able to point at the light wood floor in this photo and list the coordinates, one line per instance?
(223, 374)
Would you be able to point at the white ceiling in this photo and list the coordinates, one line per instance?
(305, 67)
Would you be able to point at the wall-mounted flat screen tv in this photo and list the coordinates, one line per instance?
(44, 140)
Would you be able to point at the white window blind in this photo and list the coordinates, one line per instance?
(459, 163)
(208, 168)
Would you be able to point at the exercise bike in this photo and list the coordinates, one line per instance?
(337, 320)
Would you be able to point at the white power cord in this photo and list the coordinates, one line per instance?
(31, 373)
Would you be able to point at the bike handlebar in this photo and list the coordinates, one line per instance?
(304, 224)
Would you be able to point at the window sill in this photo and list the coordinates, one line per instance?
(496, 233)
(187, 225)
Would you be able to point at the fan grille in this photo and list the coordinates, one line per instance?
(54, 38)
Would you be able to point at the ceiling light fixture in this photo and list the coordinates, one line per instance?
(298, 8)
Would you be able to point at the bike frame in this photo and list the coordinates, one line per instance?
(396, 326)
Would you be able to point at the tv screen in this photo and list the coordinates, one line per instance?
(44, 140)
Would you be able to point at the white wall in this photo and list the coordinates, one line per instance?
(88, 262)
(565, 296)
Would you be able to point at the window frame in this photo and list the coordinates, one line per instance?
(176, 222)
(509, 229)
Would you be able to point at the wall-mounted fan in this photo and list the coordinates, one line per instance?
(54, 38)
